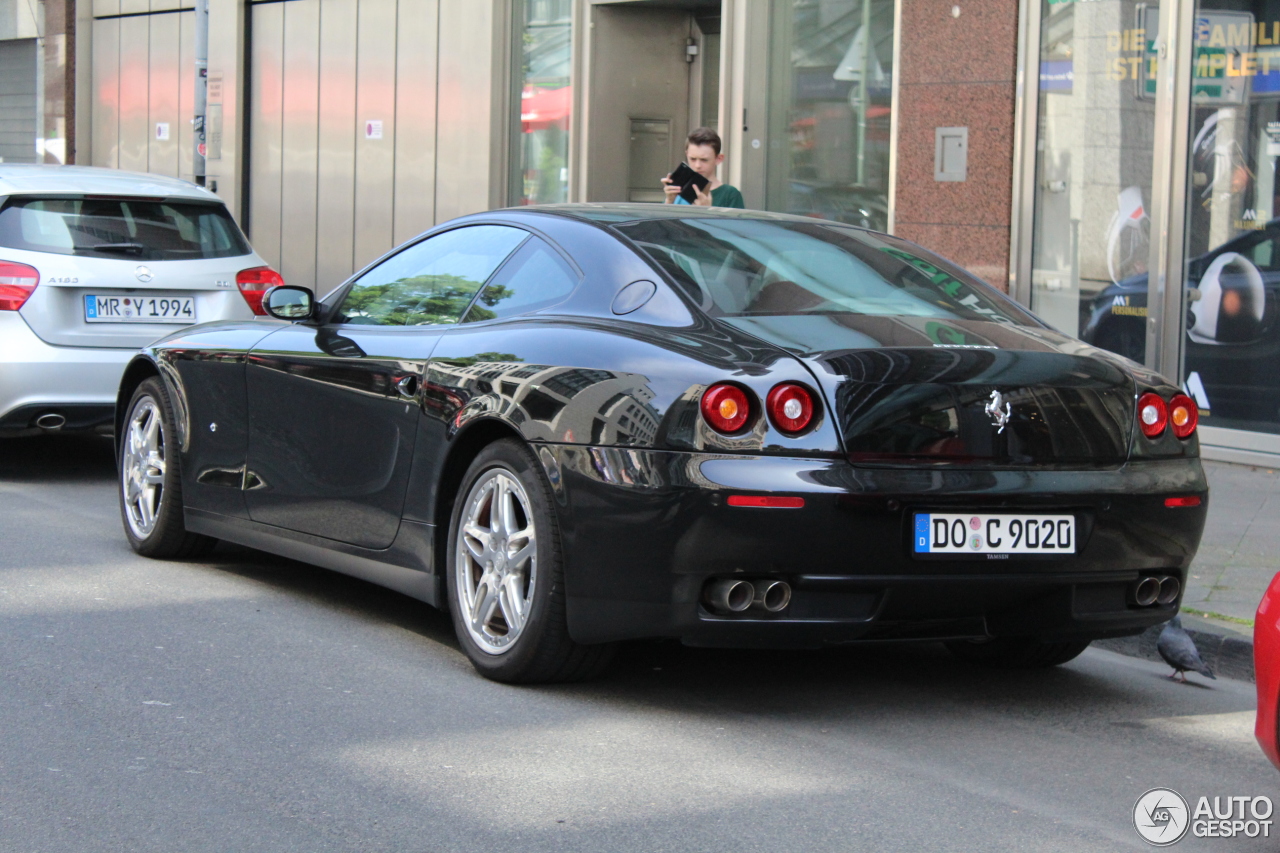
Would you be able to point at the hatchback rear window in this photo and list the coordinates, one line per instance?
(136, 229)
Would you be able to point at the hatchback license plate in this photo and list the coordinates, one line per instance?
(157, 308)
(968, 533)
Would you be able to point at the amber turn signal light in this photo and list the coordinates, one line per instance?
(726, 407)
(1184, 415)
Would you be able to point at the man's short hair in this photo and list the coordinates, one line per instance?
(704, 136)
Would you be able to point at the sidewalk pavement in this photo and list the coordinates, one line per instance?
(1240, 551)
(1238, 556)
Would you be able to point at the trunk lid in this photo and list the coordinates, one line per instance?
(910, 390)
(56, 309)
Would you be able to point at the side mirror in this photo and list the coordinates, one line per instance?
(289, 302)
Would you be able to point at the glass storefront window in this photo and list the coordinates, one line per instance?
(1232, 234)
(1091, 239)
(540, 156)
(831, 84)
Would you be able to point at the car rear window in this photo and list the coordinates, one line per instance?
(744, 267)
(132, 228)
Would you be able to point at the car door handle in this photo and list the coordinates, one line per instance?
(407, 386)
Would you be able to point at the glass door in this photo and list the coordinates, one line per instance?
(1233, 235)
(1094, 144)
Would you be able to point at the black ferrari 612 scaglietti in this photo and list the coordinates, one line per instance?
(579, 424)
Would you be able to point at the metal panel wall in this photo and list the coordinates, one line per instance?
(267, 129)
(106, 92)
(336, 159)
(162, 106)
(135, 71)
(143, 77)
(18, 101)
(299, 129)
(375, 140)
(472, 81)
(183, 130)
(342, 132)
(415, 177)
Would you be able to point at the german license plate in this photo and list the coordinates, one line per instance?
(970, 533)
(151, 308)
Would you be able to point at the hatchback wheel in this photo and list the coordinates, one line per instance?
(151, 479)
(506, 576)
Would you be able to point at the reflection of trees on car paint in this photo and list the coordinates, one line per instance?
(419, 301)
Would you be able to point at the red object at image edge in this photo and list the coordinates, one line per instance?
(1266, 668)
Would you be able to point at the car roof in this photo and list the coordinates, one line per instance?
(33, 179)
(631, 212)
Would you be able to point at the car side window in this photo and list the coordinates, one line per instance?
(431, 282)
(536, 277)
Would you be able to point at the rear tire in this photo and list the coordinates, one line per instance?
(505, 574)
(1017, 652)
(150, 479)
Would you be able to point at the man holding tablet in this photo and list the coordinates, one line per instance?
(695, 181)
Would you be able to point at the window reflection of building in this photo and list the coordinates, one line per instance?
(1093, 159)
(543, 53)
(830, 104)
(570, 404)
(1231, 234)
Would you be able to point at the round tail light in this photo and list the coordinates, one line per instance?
(726, 407)
(1153, 414)
(790, 407)
(1184, 415)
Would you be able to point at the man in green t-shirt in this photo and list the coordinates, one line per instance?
(702, 153)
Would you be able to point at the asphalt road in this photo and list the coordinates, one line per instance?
(250, 703)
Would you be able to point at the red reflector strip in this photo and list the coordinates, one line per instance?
(1190, 500)
(766, 501)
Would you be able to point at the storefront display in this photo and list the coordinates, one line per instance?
(831, 85)
(543, 56)
(1096, 110)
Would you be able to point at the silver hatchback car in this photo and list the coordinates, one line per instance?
(95, 263)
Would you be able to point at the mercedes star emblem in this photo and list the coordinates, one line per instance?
(999, 410)
(143, 273)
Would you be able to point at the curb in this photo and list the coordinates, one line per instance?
(1228, 654)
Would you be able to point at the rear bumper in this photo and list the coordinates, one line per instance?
(78, 383)
(644, 531)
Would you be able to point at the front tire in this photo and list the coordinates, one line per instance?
(505, 574)
(151, 479)
(1017, 652)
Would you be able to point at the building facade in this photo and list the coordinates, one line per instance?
(1110, 163)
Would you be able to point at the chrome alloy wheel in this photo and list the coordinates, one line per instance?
(496, 561)
(142, 467)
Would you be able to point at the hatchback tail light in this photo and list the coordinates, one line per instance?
(255, 282)
(790, 406)
(17, 283)
(1184, 415)
(726, 407)
(1153, 415)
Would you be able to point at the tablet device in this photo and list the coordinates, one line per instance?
(688, 181)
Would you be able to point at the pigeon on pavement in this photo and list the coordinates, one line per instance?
(1179, 651)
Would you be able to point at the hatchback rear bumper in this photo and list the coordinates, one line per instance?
(78, 384)
(645, 531)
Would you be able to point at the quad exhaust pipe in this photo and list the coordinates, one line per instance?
(1153, 590)
(728, 595)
